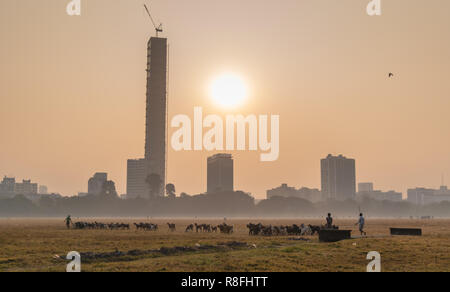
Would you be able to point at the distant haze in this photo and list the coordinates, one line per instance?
(72, 89)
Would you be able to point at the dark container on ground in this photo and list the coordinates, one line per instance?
(326, 235)
(406, 231)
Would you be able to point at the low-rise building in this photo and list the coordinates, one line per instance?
(95, 183)
(365, 187)
(7, 187)
(285, 191)
(424, 196)
(26, 188)
(382, 196)
(43, 190)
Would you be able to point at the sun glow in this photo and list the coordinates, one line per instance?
(228, 90)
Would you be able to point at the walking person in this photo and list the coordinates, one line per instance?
(68, 221)
(361, 222)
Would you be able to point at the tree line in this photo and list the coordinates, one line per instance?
(225, 204)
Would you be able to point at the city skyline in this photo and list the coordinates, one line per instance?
(81, 110)
(338, 175)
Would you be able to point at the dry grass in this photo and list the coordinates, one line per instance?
(30, 244)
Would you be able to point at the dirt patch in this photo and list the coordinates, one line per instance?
(233, 244)
(8, 261)
(300, 239)
(163, 251)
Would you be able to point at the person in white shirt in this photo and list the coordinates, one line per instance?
(361, 222)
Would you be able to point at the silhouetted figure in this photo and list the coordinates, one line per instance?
(329, 221)
(68, 221)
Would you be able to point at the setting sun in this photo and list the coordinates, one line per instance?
(228, 90)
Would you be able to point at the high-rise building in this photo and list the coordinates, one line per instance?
(220, 173)
(136, 179)
(156, 125)
(338, 178)
(95, 183)
(156, 120)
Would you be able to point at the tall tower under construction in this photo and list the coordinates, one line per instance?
(146, 177)
(156, 113)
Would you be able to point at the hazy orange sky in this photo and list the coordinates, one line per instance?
(72, 89)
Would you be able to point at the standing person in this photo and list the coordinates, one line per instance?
(361, 222)
(68, 221)
(329, 221)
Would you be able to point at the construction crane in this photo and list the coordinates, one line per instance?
(159, 28)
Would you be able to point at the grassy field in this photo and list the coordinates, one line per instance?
(32, 245)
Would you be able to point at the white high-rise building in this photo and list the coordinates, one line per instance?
(338, 178)
(220, 173)
(136, 179)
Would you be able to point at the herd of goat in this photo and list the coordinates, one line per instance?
(208, 228)
(101, 226)
(302, 230)
(254, 229)
(223, 228)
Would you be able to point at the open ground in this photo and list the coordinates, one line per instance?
(42, 244)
